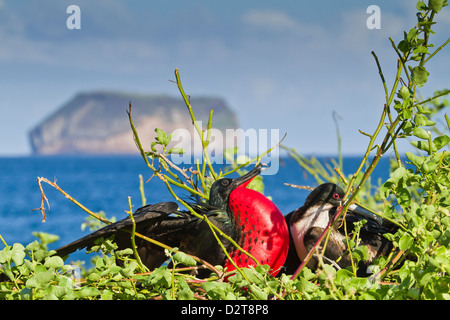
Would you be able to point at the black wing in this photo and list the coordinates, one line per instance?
(147, 215)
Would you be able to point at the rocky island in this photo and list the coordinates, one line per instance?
(97, 122)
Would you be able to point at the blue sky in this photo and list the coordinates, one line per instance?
(284, 65)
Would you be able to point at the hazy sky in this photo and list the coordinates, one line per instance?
(284, 65)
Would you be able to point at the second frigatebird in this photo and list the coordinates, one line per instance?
(307, 223)
(247, 216)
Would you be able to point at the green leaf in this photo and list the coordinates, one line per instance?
(389, 236)
(46, 238)
(26, 294)
(422, 109)
(306, 286)
(416, 160)
(40, 279)
(163, 138)
(124, 252)
(161, 276)
(424, 145)
(184, 259)
(419, 75)
(33, 246)
(428, 211)
(441, 141)
(93, 277)
(406, 113)
(421, 5)
(152, 145)
(252, 275)
(420, 133)
(17, 254)
(54, 262)
(436, 5)
(398, 174)
(176, 151)
(329, 272)
(430, 165)
(5, 255)
(343, 277)
(404, 46)
(412, 35)
(185, 294)
(218, 290)
(405, 242)
(403, 197)
(86, 292)
(30, 265)
(404, 92)
(422, 121)
(257, 292)
(414, 293)
(107, 295)
(425, 279)
(361, 253)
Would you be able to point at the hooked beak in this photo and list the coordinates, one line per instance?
(365, 213)
(244, 181)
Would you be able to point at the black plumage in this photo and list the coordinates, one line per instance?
(165, 223)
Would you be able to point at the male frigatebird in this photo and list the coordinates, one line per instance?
(307, 223)
(247, 216)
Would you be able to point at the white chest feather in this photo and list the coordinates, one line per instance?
(315, 217)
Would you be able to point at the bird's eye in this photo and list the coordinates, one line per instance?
(225, 183)
(336, 196)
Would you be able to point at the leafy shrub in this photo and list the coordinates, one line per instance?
(416, 198)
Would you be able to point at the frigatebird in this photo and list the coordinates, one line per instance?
(245, 215)
(307, 223)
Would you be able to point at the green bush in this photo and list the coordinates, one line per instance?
(416, 198)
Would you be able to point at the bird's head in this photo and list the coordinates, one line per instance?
(327, 193)
(331, 194)
(222, 188)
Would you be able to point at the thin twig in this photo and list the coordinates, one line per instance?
(299, 187)
(54, 185)
(224, 249)
(141, 189)
(194, 122)
(133, 234)
(172, 165)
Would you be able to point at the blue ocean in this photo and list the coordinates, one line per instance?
(104, 183)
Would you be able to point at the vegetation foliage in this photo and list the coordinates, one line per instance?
(416, 198)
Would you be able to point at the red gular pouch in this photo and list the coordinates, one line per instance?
(263, 230)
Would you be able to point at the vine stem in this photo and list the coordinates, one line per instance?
(316, 245)
(133, 234)
(194, 122)
(154, 170)
(224, 249)
(54, 185)
(3, 241)
(348, 199)
(437, 50)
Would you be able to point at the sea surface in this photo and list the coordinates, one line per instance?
(104, 183)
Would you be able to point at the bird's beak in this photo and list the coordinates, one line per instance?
(365, 213)
(244, 181)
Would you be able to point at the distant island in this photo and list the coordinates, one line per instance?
(97, 122)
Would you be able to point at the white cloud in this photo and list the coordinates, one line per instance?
(270, 64)
(270, 19)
